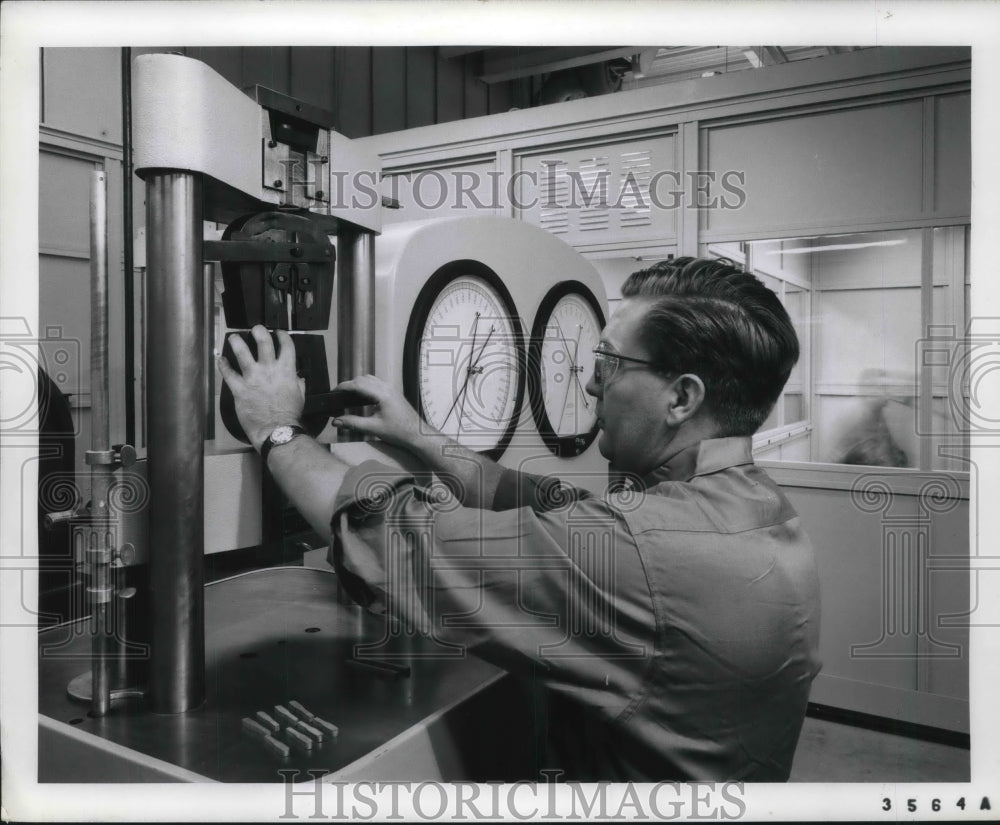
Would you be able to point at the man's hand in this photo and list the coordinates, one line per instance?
(394, 420)
(471, 477)
(267, 391)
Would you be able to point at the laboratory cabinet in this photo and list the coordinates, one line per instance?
(894, 580)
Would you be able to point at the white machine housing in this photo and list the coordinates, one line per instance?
(530, 262)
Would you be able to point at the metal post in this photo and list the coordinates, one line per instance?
(175, 368)
(99, 550)
(208, 276)
(355, 306)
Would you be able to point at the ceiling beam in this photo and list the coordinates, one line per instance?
(451, 52)
(509, 63)
(760, 56)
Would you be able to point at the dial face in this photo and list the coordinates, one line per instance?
(467, 356)
(566, 332)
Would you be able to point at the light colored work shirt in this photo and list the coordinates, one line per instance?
(674, 626)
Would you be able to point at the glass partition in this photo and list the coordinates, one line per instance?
(867, 307)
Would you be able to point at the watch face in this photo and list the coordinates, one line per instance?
(464, 359)
(282, 434)
(566, 331)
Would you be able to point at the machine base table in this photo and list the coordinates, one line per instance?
(278, 635)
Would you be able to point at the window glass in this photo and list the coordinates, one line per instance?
(863, 391)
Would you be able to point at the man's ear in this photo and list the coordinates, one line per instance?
(688, 392)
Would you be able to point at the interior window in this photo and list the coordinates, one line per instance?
(864, 391)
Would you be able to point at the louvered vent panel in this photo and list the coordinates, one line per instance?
(600, 194)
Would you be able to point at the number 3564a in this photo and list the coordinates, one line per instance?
(913, 804)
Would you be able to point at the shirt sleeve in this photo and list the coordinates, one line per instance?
(556, 592)
(540, 493)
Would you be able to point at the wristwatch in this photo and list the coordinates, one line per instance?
(279, 435)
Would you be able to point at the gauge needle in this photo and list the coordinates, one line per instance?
(573, 368)
(470, 371)
(468, 375)
(474, 369)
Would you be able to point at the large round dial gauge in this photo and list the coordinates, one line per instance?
(561, 358)
(463, 359)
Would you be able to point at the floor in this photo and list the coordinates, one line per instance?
(834, 752)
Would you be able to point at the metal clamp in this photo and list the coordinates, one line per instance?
(120, 455)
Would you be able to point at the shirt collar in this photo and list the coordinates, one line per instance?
(708, 456)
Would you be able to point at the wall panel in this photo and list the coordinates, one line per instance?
(450, 90)
(388, 89)
(311, 76)
(829, 169)
(947, 634)
(353, 97)
(459, 190)
(476, 93)
(81, 91)
(850, 554)
(952, 155)
(420, 92)
(64, 202)
(265, 66)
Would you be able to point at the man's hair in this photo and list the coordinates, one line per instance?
(712, 319)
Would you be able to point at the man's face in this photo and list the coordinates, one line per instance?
(632, 405)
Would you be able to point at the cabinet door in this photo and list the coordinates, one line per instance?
(892, 639)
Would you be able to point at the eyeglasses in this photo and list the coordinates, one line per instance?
(606, 364)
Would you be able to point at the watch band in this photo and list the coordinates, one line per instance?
(279, 435)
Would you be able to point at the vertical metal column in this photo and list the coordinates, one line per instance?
(208, 276)
(355, 307)
(175, 368)
(98, 553)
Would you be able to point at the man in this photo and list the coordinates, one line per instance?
(675, 621)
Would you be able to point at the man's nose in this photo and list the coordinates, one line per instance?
(593, 388)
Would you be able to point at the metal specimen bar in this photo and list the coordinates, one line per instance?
(175, 366)
(310, 731)
(268, 722)
(254, 727)
(285, 715)
(300, 710)
(278, 747)
(299, 739)
(330, 728)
